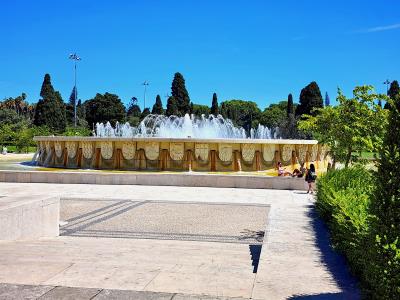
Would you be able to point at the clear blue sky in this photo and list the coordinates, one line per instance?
(251, 50)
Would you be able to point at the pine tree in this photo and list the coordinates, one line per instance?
(180, 94)
(172, 107)
(393, 91)
(214, 105)
(290, 109)
(73, 96)
(50, 110)
(310, 98)
(157, 107)
(134, 109)
(145, 113)
(327, 100)
(385, 206)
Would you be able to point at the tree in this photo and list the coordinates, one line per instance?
(180, 94)
(134, 109)
(199, 110)
(393, 91)
(327, 100)
(274, 115)
(290, 108)
(310, 98)
(214, 106)
(384, 277)
(157, 107)
(145, 112)
(104, 108)
(172, 107)
(356, 124)
(50, 110)
(245, 114)
(73, 96)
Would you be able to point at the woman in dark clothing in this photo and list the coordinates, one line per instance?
(311, 176)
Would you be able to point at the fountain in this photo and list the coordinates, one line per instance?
(186, 143)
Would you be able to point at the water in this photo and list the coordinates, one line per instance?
(183, 127)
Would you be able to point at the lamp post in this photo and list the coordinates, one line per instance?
(145, 84)
(387, 82)
(75, 58)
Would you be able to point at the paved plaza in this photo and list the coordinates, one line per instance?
(165, 242)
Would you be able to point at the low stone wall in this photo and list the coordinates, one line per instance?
(29, 217)
(166, 179)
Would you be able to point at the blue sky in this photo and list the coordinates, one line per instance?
(251, 50)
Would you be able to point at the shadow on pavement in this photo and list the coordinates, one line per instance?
(255, 252)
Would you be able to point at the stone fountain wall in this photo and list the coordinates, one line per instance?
(212, 155)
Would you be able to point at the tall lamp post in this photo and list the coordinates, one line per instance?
(145, 84)
(75, 58)
(387, 82)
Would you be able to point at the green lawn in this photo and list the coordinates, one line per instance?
(13, 149)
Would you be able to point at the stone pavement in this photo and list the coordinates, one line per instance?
(296, 261)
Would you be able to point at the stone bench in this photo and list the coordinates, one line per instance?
(29, 217)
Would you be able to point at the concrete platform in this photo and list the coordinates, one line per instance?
(191, 179)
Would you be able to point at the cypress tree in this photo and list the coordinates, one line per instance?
(310, 98)
(50, 110)
(72, 97)
(172, 107)
(393, 91)
(290, 109)
(157, 107)
(327, 100)
(214, 105)
(180, 94)
(384, 277)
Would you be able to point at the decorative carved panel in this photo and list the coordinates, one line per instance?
(313, 152)
(201, 151)
(225, 152)
(87, 150)
(106, 150)
(152, 150)
(286, 152)
(176, 150)
(58, 148)
(302, 153)
(248, 151)
(71, 148)
(48, 146)
(268, 152)
(323, 151)
(128, 150)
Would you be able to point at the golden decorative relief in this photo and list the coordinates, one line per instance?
(58, 148)
(128, 150)
(225, 152)
(323, 151)
(106, 150)
(268, 152)
(313, 152)
(201, 151)
(71, 148)
(152, 150)
(48, 146)
(176, 151)
(87, 150)
(286, 152)
(302, 153)
(248, 151)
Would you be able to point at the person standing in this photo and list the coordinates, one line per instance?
(310, 178)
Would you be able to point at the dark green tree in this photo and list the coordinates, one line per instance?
(199, 110)
(327, 100)
(157, 107)
(214, 105)
(385, 265)
(172, 107)
(145, 113)
(180, 94)
(290, 108)
(134, 109)
(310, 98)
(50, 110)
(73, 96)
(103, 108)
(245, 114)
(393, 91)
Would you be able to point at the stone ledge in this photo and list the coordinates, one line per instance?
(162, 179)
(29, 217)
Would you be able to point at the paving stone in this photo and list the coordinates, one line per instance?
(70, 293)
(26, 292)
(132, 295)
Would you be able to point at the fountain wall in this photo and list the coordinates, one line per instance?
(177, 154)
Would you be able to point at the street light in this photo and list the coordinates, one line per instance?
(387, 82)
(75, 58)
(145, 84)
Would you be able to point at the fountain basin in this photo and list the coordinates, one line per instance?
(177, 154)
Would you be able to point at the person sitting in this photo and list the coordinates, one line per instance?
(299, 172)
(282, 171)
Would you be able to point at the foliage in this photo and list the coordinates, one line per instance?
(327, 99)
(290, 107)
(19, 105)
(356, 124)
(73, 96)
(103, 108)
(145, 112)
(343, 199)
(77, 131)
(310, 98)
(50, 110)
(180, 94)
(384, 274)
(157, 107)
(172, 107)
(245, 114)
(393, 91)
(10, 116)
(275, 114)
(214, 105)
(134, 109)
(199, 110)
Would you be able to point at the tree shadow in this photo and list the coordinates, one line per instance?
(255, 252)
(336, 263)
